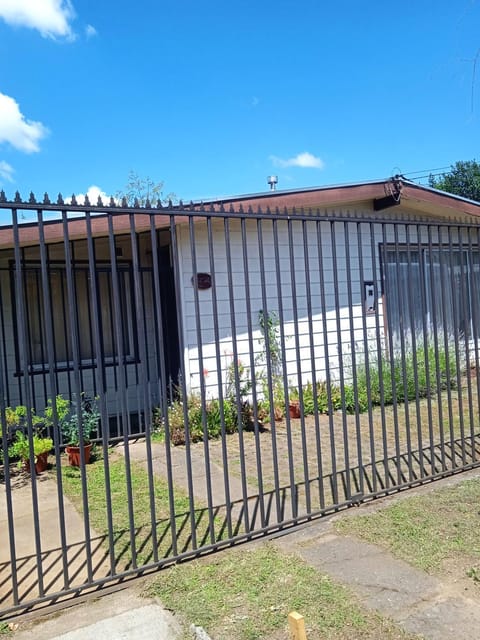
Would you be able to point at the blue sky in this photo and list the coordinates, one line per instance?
(212, 97)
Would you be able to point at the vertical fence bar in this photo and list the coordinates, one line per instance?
(283, 363)
(361, 470)
(444, 287)
(56, 435)
(371, 483)
(198, 326)
(251, 350)
(434, 326)
(99, 355)
(4, 358)
(464, 359)
(328, 377)
(163, 394)
(122, 381)
(457, 337)
(391, 354)
(311, 338)
(412, 354)
(475, 297)
(143, 382)
(231, 368)
(4, 399)
(273, 428)
(403, 355)
(25, 364)
(425, 344)
(380, 340)
(233, 324)
(341, 372)
(73, 331)
(293, 277)
(183, 385)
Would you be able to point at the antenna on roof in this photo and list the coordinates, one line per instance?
(272, 181)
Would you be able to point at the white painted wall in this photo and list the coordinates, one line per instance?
(348, 327)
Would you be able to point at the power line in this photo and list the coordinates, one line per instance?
(430, 171)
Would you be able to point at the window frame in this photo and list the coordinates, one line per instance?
(127, 293)
(423, 249)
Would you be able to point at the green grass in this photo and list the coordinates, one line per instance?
(428, 531)
(248, 594)
(97, 506)
(5, 629)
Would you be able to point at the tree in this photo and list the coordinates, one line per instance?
(463, 180)
(143, 189)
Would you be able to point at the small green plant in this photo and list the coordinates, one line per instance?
(271, 352)
(474, 573)
(17, 417)
(211, 416)
(270, 327)
(72, 424)
(21, 447)
(62, 408)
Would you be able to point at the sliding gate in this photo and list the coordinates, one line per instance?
(237, 373)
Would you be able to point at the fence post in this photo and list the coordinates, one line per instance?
(297, 626)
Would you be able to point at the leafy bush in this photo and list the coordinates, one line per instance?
(196, 414)
(21, 447)
(402, 381)
(71, 424)
(398, 381)
(87, 424)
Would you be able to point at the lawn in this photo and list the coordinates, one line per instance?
(137, 546)
(436, 531)
(247, 594)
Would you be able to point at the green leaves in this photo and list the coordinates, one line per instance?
(462, 180)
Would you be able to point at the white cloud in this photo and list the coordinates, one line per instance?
(15, 129)
(304, 160)
(6, 171)
(51, 18)
(93, 192)
(90, 31)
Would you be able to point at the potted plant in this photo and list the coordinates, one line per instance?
(294, 404)
(21, 449)
(73, 424)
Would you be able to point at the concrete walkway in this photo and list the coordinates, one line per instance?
(43, 564)
(419, 603)
(123, 615)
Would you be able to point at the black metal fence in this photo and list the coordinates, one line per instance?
(237, 372)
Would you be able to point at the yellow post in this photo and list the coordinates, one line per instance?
(297, 626)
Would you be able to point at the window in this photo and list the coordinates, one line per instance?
(431, 288)
(83, 308)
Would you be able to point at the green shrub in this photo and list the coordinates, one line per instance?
(196, 414)
(21, 446)
(405, 381)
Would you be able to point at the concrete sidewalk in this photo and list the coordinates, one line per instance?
(123, 615)
(416, 601)
(58, 563)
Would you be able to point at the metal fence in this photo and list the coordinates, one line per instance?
(238, 373)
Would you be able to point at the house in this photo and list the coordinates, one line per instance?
(126, 304)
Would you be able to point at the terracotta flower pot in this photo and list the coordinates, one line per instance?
(74, 457)
(294, 409)
(41, 463)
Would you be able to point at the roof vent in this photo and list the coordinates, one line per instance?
(272, 181)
